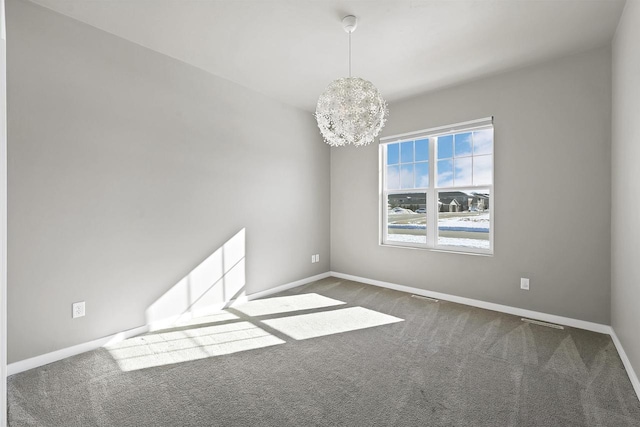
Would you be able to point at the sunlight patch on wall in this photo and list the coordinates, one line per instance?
(313, 325)
(166, 348)
(205, 289)
(286, 304)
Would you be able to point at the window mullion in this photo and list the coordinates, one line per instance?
(432, 202)
(382, 237)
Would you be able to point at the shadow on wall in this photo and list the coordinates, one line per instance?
(208, 288)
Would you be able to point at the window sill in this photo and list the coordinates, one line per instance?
(447, 251)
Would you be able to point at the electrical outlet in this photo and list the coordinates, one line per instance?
(524, 283)
(77, 309)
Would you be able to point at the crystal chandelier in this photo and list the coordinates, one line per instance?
(351, 110)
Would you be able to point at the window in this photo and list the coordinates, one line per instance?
(437, 188)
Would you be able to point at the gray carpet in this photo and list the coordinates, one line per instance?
(326, 363)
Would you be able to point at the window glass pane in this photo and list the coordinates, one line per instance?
(463, 219)
(483, 141)
(393, 177)
(393, 154)
(445, 173)
(407, 218)
(406, 152)
(422, 174)
(482, 170)
(463, 144)
(445, 147)
(422, 150)
(406, 176)
(462, 173)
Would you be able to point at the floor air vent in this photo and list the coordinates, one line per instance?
(425, 298)
(538, 322)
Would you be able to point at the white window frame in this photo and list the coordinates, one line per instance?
(432, 191)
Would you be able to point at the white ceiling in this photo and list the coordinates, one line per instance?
(292, 49)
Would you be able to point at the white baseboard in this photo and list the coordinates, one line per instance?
(172, 321)
(54, 356)
(552, 318)
(627, 363)
(287, 286)
(179, 319)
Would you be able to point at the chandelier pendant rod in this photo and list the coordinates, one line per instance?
(349, 53)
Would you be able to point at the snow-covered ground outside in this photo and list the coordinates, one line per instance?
(400, 211)
(446, 241)
(480, 222)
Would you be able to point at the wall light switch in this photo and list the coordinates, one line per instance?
(524, 283)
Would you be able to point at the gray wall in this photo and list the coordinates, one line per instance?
(128, 168)
(552, 185)
(3, 221)
(625, 233)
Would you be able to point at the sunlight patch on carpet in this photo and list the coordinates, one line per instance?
(220, 317)
(313, 325)
(166, 348)
(263, 307)
(224, 332)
